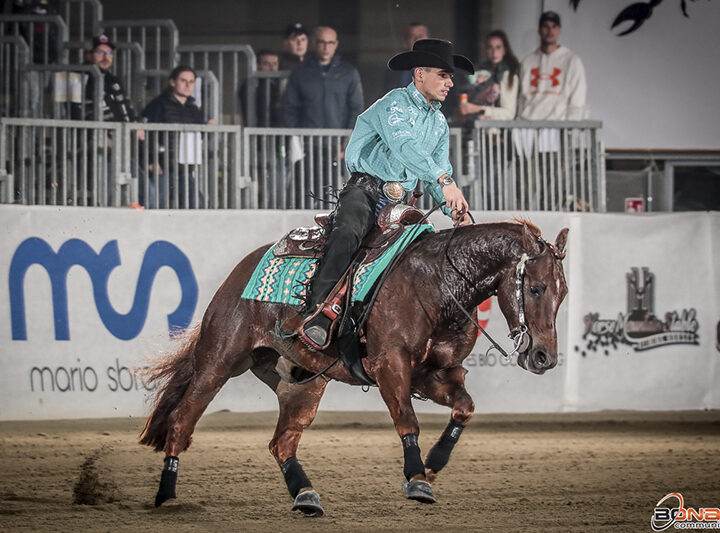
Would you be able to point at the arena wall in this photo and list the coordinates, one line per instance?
(90, 294)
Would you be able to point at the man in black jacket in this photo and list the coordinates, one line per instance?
(175, 105)
(115, 106)
(324, 91)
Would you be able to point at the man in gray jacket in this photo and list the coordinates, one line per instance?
(324, 91)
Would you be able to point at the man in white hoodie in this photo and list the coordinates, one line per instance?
(552, 82)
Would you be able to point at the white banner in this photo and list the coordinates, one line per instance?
(90, 292)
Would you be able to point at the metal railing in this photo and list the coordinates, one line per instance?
(537, 166)
(231, 64)
(14, 86)
(294, 168)
(186, 166)
(61, 162)
(211, 166)
(82, 18)
(45, 35)
(261, 96)
(158, 38)
(61, 92)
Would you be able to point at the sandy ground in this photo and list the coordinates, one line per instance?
(564, 472)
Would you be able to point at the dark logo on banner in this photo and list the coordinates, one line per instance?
(125, 326)
(639, 327)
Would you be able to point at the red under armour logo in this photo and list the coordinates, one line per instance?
(552, 77)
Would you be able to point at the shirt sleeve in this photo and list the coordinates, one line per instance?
(577, 90)
(394, 128)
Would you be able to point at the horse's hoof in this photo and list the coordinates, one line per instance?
(419, 491)
(309, 503)
(167, 488)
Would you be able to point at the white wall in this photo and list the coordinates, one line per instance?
(681, 251)
(654, 88)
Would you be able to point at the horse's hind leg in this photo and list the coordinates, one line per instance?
(214, 364)
(298, 407)
(447, 387)
(394, 382)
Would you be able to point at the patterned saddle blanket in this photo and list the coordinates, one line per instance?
(283, 273)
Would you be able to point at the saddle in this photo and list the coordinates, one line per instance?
(310, 242)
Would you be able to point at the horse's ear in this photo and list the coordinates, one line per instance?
(561, 241)
(528, 238)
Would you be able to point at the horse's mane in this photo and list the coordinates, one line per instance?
(532, 227)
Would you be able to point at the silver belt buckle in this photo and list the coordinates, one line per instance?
(393, 190)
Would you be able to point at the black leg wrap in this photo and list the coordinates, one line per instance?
(413, 461)
(168, 480)
(440, 453)
(295, 477)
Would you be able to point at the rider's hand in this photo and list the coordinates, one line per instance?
(454, 199)
(464, 218)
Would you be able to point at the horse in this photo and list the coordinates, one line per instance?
(416, 337)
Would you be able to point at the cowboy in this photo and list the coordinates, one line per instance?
(401, 139)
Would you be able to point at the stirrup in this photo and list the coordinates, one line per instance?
(314, 335)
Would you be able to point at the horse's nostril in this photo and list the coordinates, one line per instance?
(540, 359)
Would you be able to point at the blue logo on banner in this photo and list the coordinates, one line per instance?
(99, 266)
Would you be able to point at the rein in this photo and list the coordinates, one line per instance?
(521, 338)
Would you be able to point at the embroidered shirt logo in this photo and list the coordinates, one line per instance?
(537, 76)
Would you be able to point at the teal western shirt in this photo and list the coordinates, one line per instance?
(402, 138)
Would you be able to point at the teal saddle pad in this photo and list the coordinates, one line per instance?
(285, 279)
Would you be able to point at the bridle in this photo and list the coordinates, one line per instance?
(521, 339)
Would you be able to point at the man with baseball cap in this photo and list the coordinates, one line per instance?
(115, 106)
(401, 139)
(552, 80)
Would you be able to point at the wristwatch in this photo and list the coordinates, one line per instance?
(447, 180)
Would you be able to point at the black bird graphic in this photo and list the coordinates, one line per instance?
(637, 13)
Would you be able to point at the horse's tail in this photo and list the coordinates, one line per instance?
(173, 373)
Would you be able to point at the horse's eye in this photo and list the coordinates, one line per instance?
(535, 290)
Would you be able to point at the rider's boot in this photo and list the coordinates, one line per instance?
(316, 328)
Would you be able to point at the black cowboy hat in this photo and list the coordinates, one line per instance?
(436, 53)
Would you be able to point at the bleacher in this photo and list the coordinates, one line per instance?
(48, 159)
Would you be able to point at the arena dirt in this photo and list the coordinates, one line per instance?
(564, 472)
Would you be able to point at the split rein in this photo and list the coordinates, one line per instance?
(520, 337)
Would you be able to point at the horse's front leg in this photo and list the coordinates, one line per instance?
(298, 407)
(447, 387)
(393, 377)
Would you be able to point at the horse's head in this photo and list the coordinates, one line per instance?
(530, 295)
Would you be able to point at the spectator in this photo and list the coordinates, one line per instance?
(552, 82)
(493, 96)
(267, 91)
(295, 46)
(414, 32)
(115, 106)
(323, 92)
(177, 154)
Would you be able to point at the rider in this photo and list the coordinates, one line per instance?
(400, 139)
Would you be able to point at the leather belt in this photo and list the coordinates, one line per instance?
(392, 190)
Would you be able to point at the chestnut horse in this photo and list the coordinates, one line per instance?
(415, 341)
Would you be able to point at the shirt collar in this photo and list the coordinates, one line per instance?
(419, 99)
